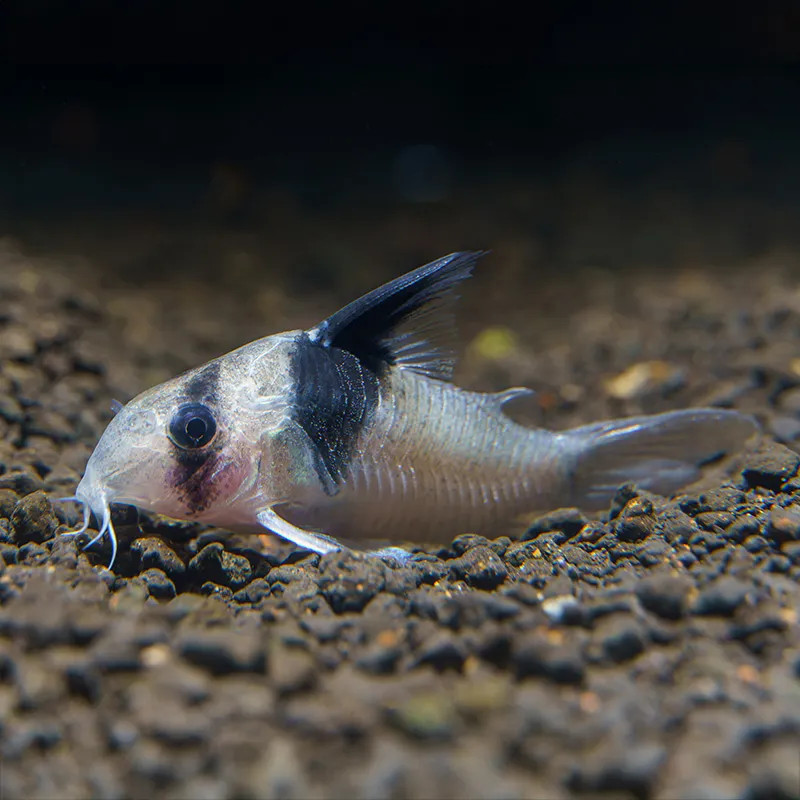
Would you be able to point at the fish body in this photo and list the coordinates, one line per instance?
(354, 431)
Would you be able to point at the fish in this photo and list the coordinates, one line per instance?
(353, 432)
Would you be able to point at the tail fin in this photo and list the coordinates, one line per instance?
(659, 453)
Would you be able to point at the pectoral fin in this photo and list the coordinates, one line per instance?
(316, 542)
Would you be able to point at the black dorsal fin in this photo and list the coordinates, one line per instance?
(407, 322)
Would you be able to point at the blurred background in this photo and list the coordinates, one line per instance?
(603, 152)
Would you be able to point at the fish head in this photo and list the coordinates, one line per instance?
(192, 447)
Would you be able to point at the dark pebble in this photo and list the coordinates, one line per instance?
(479, 567)
(158, 584)
(629, 770)
(621, 637)
(722, 597)
(755, 544)
(770, 467)
(33, 520)
(535, 655)
(379, 659)
(563, 609)
(743, 527)
(254, 592)
(21, 481)
(211, 589)
(784, 524)
(223, 651)
(714, 520)
(154, 552)
(634, 528)
(291, 670)
(567, 520)
(213, 563)
(789, 549)
(348, 582)
(8, 502)
(429, 569)
(667, 596)
(785, 429)
(442, 651)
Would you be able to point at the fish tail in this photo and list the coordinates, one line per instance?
(659, 453)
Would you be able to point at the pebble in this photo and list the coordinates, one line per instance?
(563, 609)
(33, 520)
(537, 656)
(153, 552)
(348, 582)
(667, 596)
(216, 565)
(784, 524)
(222, 650)
(568, 521)
(770, 467)
(425, 716)
(621, 637)
(158, 584)
(480, 567)
(722, 597)
(442, 651)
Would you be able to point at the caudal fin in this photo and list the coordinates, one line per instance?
(659, 453)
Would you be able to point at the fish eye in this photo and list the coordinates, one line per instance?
(192, 426)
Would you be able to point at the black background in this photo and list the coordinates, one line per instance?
(139, 105)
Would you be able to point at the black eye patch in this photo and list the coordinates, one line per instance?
(192, 426)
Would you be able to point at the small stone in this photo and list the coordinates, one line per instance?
(154, 552)
(755, 544)
(291, 670)
(23, 481)
(743, 527)
(8, 502)
(792, 550)
(158, 584)
(721, 598)
(785, 429)
(216, 565)
(348, 581)
(626, 771)
(223, 651)
(254, 592)
(714, 520)
(569, 521)
(784, 524)
(770, 466)
(33, 520)
(425, 716)
(442, 651)
(535, 655)
(479, 567)
(621, 637)
(563, 609)
(667, 596)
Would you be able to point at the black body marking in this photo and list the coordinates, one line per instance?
(407, 322)
(194, 468)
(204, 384)
(335, 395)
(191, 477)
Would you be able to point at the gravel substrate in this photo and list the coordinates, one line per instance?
(654, 652)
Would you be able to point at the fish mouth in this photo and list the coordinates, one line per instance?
(96, 503)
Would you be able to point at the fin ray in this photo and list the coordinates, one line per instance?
(407, 322)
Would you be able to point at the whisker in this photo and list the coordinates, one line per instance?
(86, 515)
(113, 536)
(103, 528)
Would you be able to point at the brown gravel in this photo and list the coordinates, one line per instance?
(652, 653)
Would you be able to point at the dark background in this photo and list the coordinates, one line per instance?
(382, 107)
